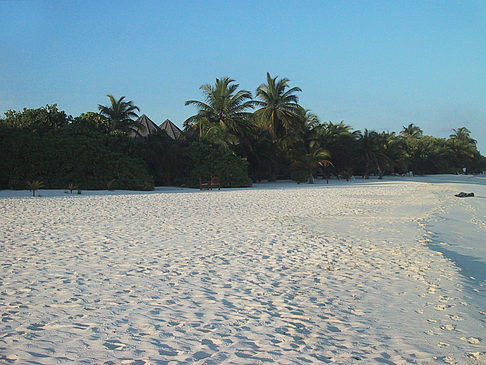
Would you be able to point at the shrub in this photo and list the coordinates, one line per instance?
(203, 160)
(60, 157)
(299, 176)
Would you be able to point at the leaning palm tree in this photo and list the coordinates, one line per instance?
(224, 115)
(279, 107)
(122, 115)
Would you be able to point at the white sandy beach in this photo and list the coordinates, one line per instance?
(351, 272)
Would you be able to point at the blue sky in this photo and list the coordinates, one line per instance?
(374, 64)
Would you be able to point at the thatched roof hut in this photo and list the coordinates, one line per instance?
(171, 129)
(147, 127)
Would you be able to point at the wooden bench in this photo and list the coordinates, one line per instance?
(214, 182)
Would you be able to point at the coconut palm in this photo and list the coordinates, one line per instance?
(463, 135)
(224, 115)
(121, 115)
(412, 131)
(279, 107)
(462, 146)
(314, 156)
(373, 146)
(340, 140)
(307, 119)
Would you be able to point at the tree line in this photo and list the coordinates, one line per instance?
(233, 135)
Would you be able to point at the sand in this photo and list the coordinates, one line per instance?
(350, 272)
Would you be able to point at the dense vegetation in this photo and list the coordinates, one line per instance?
(232, 135)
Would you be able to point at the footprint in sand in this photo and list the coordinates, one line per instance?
(113, 345)
(443, 299)
(471, 340)
(442, 344)
(455, 317)
(36, 327)
(448, 327)
(474, 355)
(450, 360)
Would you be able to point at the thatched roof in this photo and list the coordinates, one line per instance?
(149, 127)
(171, 129)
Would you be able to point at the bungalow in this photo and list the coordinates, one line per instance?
(148, 127)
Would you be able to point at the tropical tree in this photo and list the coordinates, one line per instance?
(392, 147)
(121, 115)
(412, 131)
(38, 120)
(314, 156)
(463, 135)
(262, 154)
(341, 141)
(91, 121)
(279, 107)
(373, 151)
(35, 185)
(463, 147)
(224, 115)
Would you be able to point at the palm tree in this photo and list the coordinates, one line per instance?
(35, 185)
(412, 131)
(340, 140)
(279, 107)
(120, 114)
(313, 157)
(463, 147)
(373, 148)
(223, 114)
(307, 119)
(463, 135)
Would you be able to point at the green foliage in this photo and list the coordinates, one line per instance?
(161, 157)
(63, 156)
(279, 140)
(341, 141)
(223, 117)
(121, 115)
(35, 185)
(202, 160)
(38, 120)
(299, 175)
(279, 108)
(310, 158)
(91, 122)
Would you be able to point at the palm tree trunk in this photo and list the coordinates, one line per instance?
(380, 172)
(311, 178)
(367, 169)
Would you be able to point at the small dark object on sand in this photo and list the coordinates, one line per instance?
(464, 195)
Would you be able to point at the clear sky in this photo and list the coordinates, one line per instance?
(374, 64)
